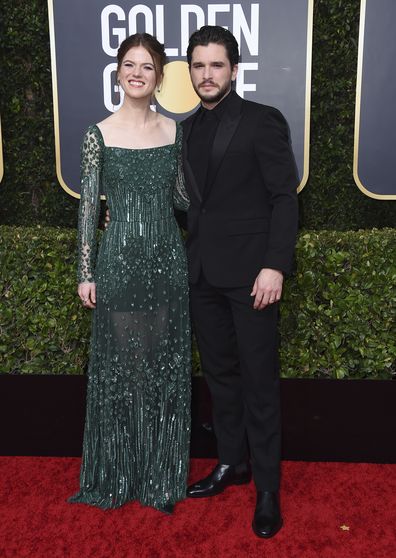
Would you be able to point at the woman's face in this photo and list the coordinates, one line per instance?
(137, 74)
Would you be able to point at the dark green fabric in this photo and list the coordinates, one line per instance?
(137, 430)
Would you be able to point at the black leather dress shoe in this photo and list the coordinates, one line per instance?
(221, 477)
(267, 520)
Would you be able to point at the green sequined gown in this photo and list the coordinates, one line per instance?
(137, 429)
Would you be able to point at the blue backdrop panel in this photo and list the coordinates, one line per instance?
(375, 132)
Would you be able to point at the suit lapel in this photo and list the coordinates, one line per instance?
(223, 137)
(191, 183)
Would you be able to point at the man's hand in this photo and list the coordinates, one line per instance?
(87, 293)
(267, 288)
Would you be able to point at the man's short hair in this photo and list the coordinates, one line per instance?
(214, 34)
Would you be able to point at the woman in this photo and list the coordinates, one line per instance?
(137, 427)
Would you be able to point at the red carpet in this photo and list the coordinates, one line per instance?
(330, 510)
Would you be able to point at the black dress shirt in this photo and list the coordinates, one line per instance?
(201, 139)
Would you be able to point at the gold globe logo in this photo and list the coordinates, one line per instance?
(176, 93)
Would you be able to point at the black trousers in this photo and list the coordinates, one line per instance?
(239, 354)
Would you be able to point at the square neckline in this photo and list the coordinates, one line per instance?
(138, 148)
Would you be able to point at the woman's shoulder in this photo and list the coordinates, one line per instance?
(165, 120)
(107, 124)
(92, 140)
(93, 131)
(175, 133)
(168, 124)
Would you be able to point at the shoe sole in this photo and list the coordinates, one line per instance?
(261, 536)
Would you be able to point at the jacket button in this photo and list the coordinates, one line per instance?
(203, 210)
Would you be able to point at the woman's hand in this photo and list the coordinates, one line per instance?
(87, 293)
(107, 218)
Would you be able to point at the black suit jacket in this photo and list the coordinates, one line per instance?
(246, 217)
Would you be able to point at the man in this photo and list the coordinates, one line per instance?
(242, 222)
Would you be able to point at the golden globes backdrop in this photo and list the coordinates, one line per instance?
(375, 119)
(275, 38)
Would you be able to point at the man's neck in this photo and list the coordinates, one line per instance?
(211, 106)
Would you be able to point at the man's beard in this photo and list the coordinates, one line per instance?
(213, 99)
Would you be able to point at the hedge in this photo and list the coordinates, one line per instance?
(338, 313)
(43, 329)
(31, 194)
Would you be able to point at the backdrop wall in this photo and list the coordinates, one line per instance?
(30, 193)
(339, 298)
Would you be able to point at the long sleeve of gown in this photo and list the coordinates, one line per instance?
(91, 164)
(181, 201)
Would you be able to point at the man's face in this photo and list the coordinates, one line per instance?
(211, 73)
